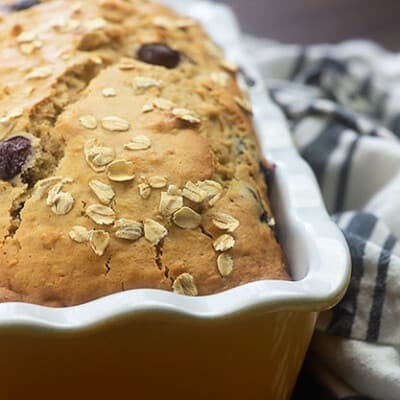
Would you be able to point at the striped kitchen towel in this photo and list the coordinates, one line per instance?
(343, 106)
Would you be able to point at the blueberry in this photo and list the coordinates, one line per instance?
(20, 5)
(159, 54)
(264, 218)
(14, 153)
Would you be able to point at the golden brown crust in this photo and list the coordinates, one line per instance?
(71, 80)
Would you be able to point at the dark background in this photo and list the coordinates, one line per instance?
(315, 21)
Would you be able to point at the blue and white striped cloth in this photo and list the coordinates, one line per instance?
(343, 106)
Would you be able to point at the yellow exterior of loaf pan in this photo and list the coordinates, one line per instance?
(158, 357)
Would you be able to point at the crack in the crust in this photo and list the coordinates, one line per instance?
(158, 256)
(166, 272)
(205, 233)
(15, 220)
(108, 265)
(159, 249)
(44, 116)
(43, 120)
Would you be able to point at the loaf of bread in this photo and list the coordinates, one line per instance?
(127, 157)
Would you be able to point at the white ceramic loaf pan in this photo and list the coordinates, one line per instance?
(245, 343)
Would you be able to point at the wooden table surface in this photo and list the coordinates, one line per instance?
(315, 21)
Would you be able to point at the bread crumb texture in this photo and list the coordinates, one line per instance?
(127, 157)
